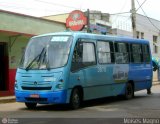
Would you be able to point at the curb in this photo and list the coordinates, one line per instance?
(7, 99)
(155, 83)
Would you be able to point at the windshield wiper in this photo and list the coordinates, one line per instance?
(38, 56)
(43, 59)
(47, 65)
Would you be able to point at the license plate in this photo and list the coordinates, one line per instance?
(34, 96)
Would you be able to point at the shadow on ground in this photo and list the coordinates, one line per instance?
(89, 103)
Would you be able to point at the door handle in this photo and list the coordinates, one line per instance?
(78, 78)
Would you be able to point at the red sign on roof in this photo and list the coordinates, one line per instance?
(76, 20)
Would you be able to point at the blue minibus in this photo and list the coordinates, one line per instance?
(71, 67)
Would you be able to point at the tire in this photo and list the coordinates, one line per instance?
(76, 99)
(129, 91)
(31, 105)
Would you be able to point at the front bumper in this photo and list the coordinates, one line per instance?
(58, 97)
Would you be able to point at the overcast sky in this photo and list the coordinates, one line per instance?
(52, 7)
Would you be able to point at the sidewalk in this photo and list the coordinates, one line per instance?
(8, 99)
(156, 83)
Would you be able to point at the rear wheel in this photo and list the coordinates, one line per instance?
(129, 91)
(31, 105)
(75, 100)
(149, 91)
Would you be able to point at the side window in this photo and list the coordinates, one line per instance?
(136, 53)
(83, 56)
(105, 52)
(146, 53)
(121, 53)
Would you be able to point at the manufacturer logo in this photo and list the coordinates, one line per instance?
(76, 20)
(35, 83)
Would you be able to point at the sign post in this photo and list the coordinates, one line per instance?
(76, 20)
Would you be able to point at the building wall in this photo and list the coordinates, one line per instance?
(122, 22)
(144, 25)
(15, 31)
(121, 32)
(15, 54)
(27, 24)
(60, 18)
(14, 50)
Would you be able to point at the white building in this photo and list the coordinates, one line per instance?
(147, 28)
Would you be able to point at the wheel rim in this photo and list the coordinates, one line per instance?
(76, 100)
(129, 91)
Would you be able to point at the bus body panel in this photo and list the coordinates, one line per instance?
(141, 74)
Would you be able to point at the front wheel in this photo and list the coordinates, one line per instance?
(75, 100)
(129, 91)
(31, 105)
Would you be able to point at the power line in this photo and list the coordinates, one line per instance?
(125, 2)
(120, 13)
(13, 6)
(141, 5)
(18, 7)
(56, 4)
(148, 17)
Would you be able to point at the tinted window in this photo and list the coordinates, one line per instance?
(146, 53)
(121, 54)
(105, 52)
(83, 56)
(136, 53)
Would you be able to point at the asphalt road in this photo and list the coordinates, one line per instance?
(114, 108)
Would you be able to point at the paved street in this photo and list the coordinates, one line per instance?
(143, 105)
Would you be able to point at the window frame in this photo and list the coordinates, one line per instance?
(127, 52)
(112, 57)
(131, 53)
(144, 54)
(83, 40)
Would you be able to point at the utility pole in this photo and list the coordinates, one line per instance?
(88, 21)
(133, 19)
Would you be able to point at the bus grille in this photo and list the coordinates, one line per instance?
(36, 88)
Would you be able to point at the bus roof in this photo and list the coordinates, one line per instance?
(99, 37)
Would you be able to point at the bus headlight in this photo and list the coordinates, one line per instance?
(59, 86)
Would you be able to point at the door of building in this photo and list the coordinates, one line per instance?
(3, 67)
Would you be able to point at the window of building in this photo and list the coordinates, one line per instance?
(121, 53)
(137, 34)
(136, 53)
(83, 56)
(155, 48)
(146, 53)
(142, 35)
(105, 52)
(155, 39)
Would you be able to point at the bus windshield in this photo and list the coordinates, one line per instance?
(46, 52)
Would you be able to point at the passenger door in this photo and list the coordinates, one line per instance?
(83, 69)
